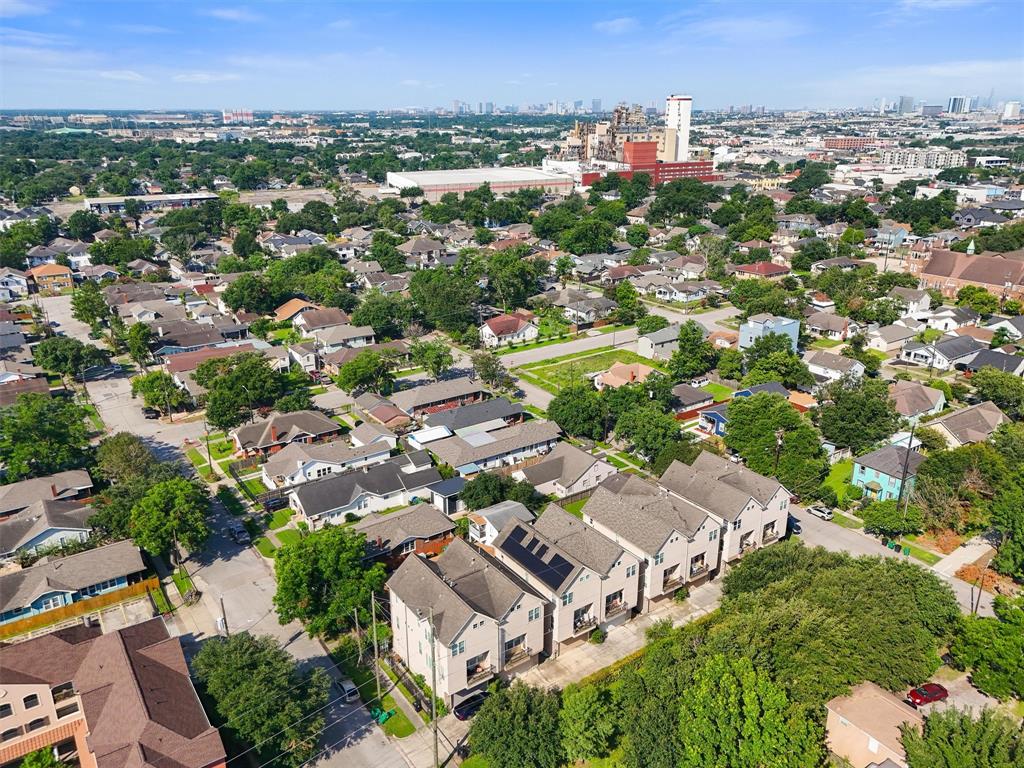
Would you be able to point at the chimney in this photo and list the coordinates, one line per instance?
(53, 490)
(273, 433)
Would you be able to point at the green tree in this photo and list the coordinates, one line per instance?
(137, 341)
(237, 384)
(160, 391)
(323, 580)
(41, 436)
(88, 304)
(954, 739)
(563, 267)
(512, 277)
(637, 235)
(993, 649)
(444, 298)
(68, 356)
(518, 727)
(252, 293)
(589, 235)
(733, 715)
(294, 401)
(387, 314)
(890, 519)
(81, 225)
(171, 513)
(489, 368)
(435, 356)
(587, 722)
(694, 355)
(367, 371)
(648, 429)
(123, 457)
(488, 489)
(730, 364)
(262, 695)
(42, 758)
(978, 299)
(1002, 388)
(857, 413)
(784, 367)
(631, 308)
(767, 431)
(579, 411)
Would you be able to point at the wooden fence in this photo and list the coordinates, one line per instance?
(81, 608)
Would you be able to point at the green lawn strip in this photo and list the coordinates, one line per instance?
(163, 605)
(575, 507)
(264, 546)
(720, 392)
(826, 343)
(612, 328)
(551, 341)
(561, 375)
(398, 725)
(94, 417)
(220, 449)
(288, 536)
(838, 477)
(280, 518)
(847, 522)
(476, 761)
(919, 553)
(623, 456)
(182, 581)
(409, 372)
(539, 413)
(253, 485)
(538, 382)
(617, 463)
(197, 459)
(230, 500)
(563, 358)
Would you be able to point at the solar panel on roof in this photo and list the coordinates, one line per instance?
(552, 572)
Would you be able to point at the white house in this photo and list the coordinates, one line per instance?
(504, 330)
(299, 463)
(565, 471)
(826, 366)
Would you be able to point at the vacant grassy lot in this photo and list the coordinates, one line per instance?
(288, 536)
(557, 375)
(720, 392)
(839, 475)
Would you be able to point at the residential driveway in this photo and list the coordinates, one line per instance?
(962, 695)
(58, 310)
(820, 533)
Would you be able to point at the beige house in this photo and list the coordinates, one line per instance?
(864, 727)
(675, 541)
(565, 471)
(587, 579)
(486, 622)
(753, 508)
(970, 425)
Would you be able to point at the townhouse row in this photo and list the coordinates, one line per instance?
(525, 589)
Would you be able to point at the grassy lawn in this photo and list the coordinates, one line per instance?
(221, 449)
(288, 536)
(264, 546)
(506, 350)
(280, 518)
(846, 521)
(926, 556)
(928, 335)
(827, 343)
(163, 605)
(574, 370)
(540, 414)
(197, 459)
(182, 581)
(230, 500)
(409, 372)
(838, 476)
(94, 417)
(617, 463)
(476, 761)
(622, 456)
(253, 486)
(398, 725)
(575, 508)
(720, 392)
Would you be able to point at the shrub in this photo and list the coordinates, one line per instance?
(597, 637)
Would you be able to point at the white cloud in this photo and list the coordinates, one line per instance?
(232, 14)
(341, 24)
(411, 83)
(126, 75)
(936, 5)
(205, 77)
(15, 36)
(142, 29)
(735, 30)
(12, 8)
(618, 26)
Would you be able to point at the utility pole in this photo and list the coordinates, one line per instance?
(206, 429)
(359, 640)
(433, 685)
(376, 652)
(903, 477)
(224, 617)
(779, 434)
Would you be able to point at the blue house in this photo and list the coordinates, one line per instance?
(763, 324)
(713, 420)
(880, 473)
(62, 581)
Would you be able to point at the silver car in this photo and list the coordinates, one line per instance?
(822, 512)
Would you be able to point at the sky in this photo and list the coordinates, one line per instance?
(363, 54)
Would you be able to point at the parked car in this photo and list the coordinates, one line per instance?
(822, 512)
(150, 413)
(466, 709)
(273, 504)
(238, 532)
(794, 526)
(929, 693)
(347, 689)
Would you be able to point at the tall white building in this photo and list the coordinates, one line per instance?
(1011, 110)
(958, 105)
(677, 127)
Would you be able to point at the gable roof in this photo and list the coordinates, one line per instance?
(341, 490)
(506, 325)
(474, 413)
(891, 459)
(387, 532)
(293, 455)
(985, 269)
(566, 463)
(572, 535)
(974, 424)
(459, 451)
(63, 485)
(39, 517)
(911, 398)
(438, 391)
(283, 428)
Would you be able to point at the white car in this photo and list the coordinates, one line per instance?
(822, 512)
(347, 689)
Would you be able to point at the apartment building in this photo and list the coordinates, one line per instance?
(118, 699)
(754, 509)
(924, 158)
(465, 615)
(675, 541)
(586, 579)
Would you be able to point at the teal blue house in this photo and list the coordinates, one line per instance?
(56, 582)
(880, 474)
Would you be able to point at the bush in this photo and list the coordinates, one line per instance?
(827, 496)
(682, 594)
(597, 637)
(853, 492)
(886, 518)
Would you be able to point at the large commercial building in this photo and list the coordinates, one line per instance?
(501, 180)
(958, 105)
(149, 202)
(924, 158)
(677, 128)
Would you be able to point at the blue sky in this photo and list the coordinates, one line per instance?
(172, 54)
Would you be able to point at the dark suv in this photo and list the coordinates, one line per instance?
(466, 709)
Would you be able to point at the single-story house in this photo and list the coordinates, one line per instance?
(826, 366)
(370, 433)
(828, 325)
(335, 337)
(438, 396)
(944, 354)
(501, 448)
(299, 463)
(914, 400)
(864, 727)
(974, 424)
(507, 329)
(621, 374)
(565, 471)
(889, 338)
(993, 358)
(63, 486)
(42, 525)
(420, 530)
(482, 416)
(279, 429)
(689, 401)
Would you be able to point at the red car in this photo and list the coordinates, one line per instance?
(928, 693)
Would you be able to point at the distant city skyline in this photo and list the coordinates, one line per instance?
(325, 56)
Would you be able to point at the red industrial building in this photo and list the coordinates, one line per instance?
(642, 157)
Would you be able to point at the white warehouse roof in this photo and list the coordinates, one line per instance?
(475, 176)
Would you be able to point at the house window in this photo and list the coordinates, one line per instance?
(567, 598)
(5, 710)
(712, 534)
(30, 701)
(584, 577)
(409, 546)
(533, 614)
(630, 571)
(35, 725)
(659, 558)
(10, 733)
(737, 524)
(51, 602)
(459, 647)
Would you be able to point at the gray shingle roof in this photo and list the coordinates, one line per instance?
(474, 413)
(341, 490)
(566, 464)
(458, 451)
(436, 392)
(889, 460)
(284, 428)
(974, 424)
(62, 485)
(289, 458)
(386, 532)
(41, 516)
(580, 541)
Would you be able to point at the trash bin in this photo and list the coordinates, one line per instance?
(906, 551)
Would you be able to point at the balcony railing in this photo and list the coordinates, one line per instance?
(516, 654)
(748, 544)
(478, 674)
(673, 581)
(698, 570)
(63, 695)
(584, 624)
(614, 609)
(770, 536)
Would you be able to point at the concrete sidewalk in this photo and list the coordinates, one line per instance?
(966, 554)
(582, 660)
